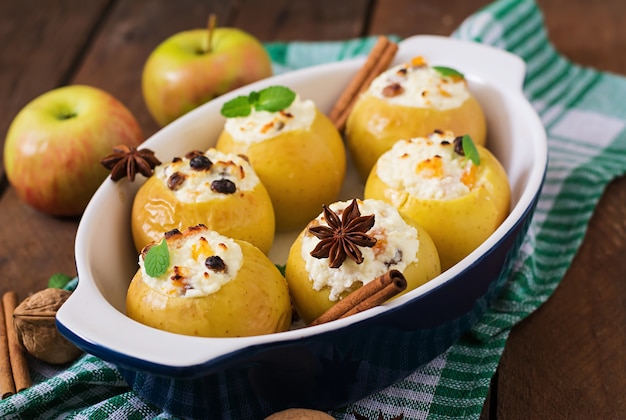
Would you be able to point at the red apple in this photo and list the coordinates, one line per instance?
(54, 145)
(192, 67)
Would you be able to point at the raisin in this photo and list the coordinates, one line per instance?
(458, 145)
(175, 181)
(224, 186)
(200, 163)
(397, 258)
(392, 90)
(215, 263)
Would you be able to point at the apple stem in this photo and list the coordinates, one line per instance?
(211, 26)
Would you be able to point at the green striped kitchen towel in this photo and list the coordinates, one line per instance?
(585, 119)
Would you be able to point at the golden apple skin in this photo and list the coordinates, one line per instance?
(301, 169)
(244, 215)
(310, 303)
(374, 126)
(255, 302)
(459, 225)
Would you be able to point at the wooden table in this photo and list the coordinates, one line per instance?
(567, 360)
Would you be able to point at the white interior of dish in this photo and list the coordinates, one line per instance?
(106, 259)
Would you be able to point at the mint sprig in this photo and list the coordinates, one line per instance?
(238, 107)
(157, 260)
(469, 149)
(272, 99)
(448, 72)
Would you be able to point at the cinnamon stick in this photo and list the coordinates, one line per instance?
(370, 295)
(7, 385)
(379, 58)
(357, 81)
(17, 353)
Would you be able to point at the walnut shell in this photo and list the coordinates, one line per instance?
(36, 329)
(299, 414)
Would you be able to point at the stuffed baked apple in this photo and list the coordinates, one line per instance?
(295, 150)
(201, 283)
(410, 100)
(456, 190)
(216, 189)
(351, 244)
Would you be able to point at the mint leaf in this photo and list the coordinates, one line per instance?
(238, 107)
(274, 99)
(58, 280)
(448, 72)
(470, 150)
(253, 98)
(157, 259)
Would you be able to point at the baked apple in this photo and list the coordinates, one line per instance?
(213, 188)
(410, 100)
(458, 191)
(201, 283)
(297, 153)
(341, 250)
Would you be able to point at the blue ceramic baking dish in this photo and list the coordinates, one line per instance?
(328, 365)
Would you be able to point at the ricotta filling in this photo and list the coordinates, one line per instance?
(396, 247)
(199, 185)
(189, 274)
(264, 125)
(416, 84)
(427, 168)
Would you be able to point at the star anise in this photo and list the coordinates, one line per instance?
(127, 161)
(343, 236)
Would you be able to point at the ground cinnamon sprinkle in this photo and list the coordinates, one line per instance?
(369, 296)
(377, 61)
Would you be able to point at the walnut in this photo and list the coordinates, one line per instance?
(36, 329)
(299, 414)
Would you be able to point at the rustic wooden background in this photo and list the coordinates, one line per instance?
(565, 361)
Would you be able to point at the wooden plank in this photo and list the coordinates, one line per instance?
(592, 36)
(133, 31)
(289, 20)
(135, 28)
(31, 61)
(408, 17)
(35, 246)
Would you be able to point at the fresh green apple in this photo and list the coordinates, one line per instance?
(54, 145)
(192, 67)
